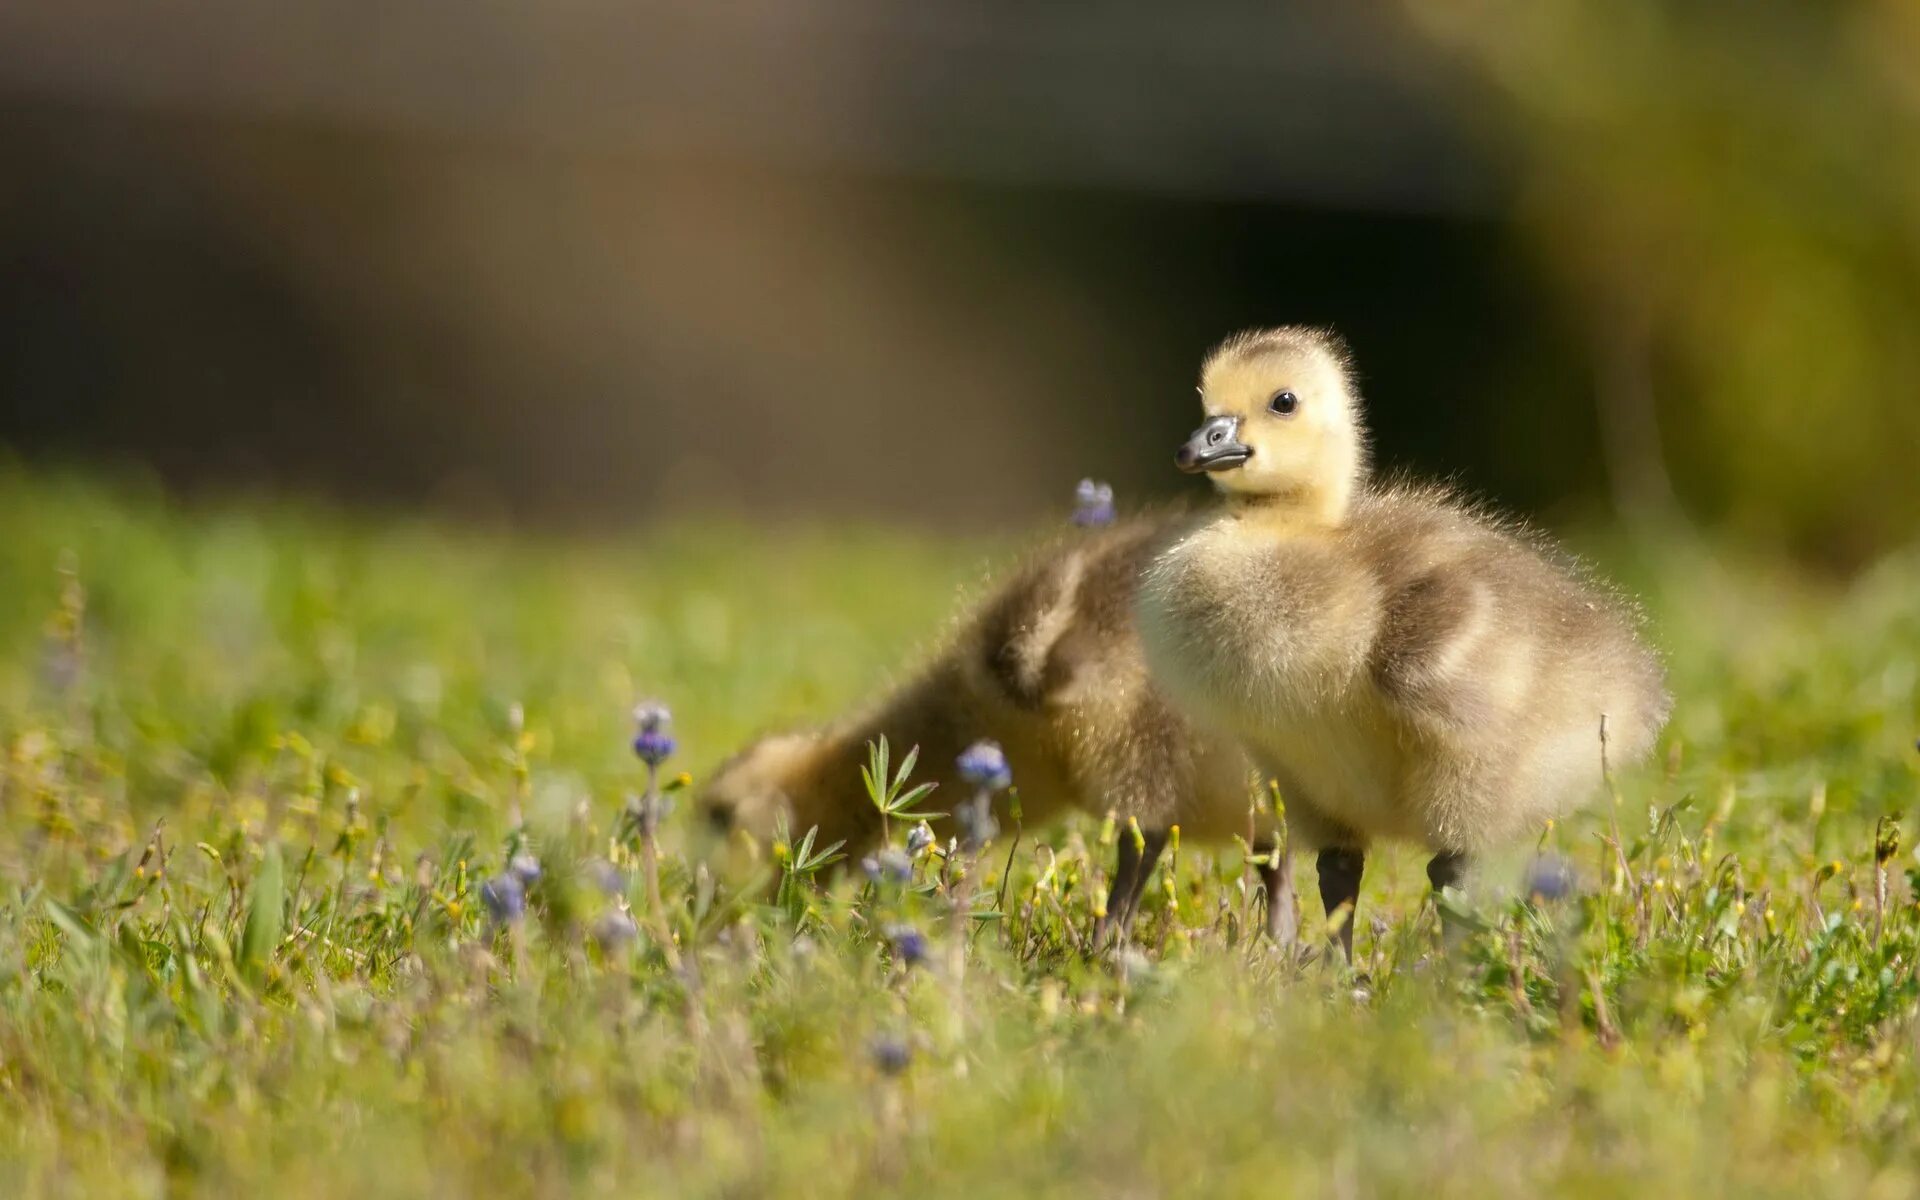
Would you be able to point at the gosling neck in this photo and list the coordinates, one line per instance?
(1306, 507)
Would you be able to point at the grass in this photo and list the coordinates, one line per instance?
(258, 762)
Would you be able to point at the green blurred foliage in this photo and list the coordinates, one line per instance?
(1729, 198)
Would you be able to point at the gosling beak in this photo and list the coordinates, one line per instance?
(1215, 446)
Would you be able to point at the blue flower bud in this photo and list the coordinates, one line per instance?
(919, 839)
(1092, 504)
(524, 867)
(607, 878)
(654, 748)
(891, 1054)
(505, 898)
(1550, 877)
(895, 866)
(909, 945)
(615, 931)
(984, 765)
(653, 741)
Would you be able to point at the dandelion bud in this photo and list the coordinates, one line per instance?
(1886, 841)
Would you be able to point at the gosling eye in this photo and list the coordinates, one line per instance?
(1284, 404)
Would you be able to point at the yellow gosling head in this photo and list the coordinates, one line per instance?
(1283, 424)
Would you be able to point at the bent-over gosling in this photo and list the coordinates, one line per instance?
(1049, 666)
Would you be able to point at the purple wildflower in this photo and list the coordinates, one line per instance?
(889, 866)
(1092, 504)
(1550, 877)
(909, 945)
(984, 765)
(505, 897)
(525, 868)
(919, 839)
(895, 866)
(615, 931)
(890, 1053)
(607, 878)
(653, 741)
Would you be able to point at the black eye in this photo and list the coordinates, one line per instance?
(1284, 403)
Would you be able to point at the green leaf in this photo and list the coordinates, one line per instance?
(826, 857)
(70, 922)
(904, 806)
(266, 917)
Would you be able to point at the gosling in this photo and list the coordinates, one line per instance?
(1403, 665)
(1049, 666)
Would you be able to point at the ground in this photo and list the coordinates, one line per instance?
(259, 760)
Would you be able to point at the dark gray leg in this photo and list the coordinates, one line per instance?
(1146, 857)
(1276, 877)
(1133, 867)
(1340, 870)
(1447, 870)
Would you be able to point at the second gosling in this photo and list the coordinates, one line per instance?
(1050, 667)
(1404, 665)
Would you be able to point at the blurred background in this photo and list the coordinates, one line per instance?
(589, 263)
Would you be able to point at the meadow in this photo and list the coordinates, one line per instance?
(263, 767)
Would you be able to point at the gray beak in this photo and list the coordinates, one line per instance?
(1215, 446)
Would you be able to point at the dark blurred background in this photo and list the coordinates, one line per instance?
(597, 261)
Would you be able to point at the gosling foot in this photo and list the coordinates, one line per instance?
(1132, 868)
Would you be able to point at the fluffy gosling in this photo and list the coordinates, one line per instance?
(1405, 666)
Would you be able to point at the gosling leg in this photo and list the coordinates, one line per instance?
(1340, 870)
(1126, 866)
(1145, 858)
(1276, 878)
(1133, 867)
(1447, 870)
